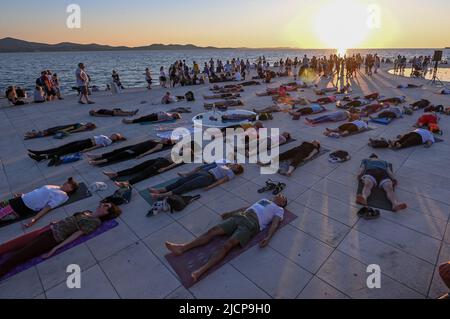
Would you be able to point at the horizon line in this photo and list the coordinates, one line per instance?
(218, 47)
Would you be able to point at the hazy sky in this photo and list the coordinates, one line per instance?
(235, 23)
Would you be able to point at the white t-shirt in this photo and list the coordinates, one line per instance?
(81, 75)
(51, 196)
(221, 171)
(360, 124)
(266, 210)
(102, 140)
(426, 135)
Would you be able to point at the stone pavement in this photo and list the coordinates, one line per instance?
(322, 254)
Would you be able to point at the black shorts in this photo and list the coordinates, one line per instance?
(380, 176)
(20, 208)
(349, 127)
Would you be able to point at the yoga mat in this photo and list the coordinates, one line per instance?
(377, 198)
(81, 193)
(162, 122)
(106, 226)
(288, 142)
(146, 194)
(383, 121)
(190, 261)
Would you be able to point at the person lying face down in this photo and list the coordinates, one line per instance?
(77, 146)
(37, 203)
(377, 173)
(58, 235)
(111, 113)
(69, 128)
(137, 151)
(294, 157)
(154, 118)
(208, 176)
(240, 226)
(347, 129)
(417, 137)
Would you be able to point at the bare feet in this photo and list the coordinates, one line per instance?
(196, 275)
(91, 156)
(156, 196)
(361, 200)
(111, 175)
(399, 207)
(175, 248)
(122, 184)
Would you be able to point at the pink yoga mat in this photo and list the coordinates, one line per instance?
(190, 261)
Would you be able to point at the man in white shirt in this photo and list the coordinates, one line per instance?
(82, 82)
(240, 226)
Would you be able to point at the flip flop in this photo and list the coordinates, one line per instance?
(368, 213)
(279, 188)
(270, 185)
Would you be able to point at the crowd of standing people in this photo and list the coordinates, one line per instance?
(182, 73)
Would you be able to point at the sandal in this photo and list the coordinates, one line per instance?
(270, 185)
(279, 188)
(368, 213)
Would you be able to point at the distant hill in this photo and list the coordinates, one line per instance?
(16, 45)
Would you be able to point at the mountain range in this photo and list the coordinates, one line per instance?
(16, 45)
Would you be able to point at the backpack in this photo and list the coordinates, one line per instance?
(71, 158)
(339, 157)
(120, 196)
(190, 96)
(177, 203)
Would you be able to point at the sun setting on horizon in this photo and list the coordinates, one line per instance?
(341, 25)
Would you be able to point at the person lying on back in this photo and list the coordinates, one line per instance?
(378, 173)
(241, 226)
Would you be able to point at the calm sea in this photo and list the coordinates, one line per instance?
(22, 69)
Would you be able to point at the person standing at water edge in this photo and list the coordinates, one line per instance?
(82, 83)
(148, 78)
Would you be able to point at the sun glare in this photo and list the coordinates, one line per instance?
(341, 25)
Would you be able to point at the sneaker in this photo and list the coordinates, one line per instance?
(81, 102)
(35, 157)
